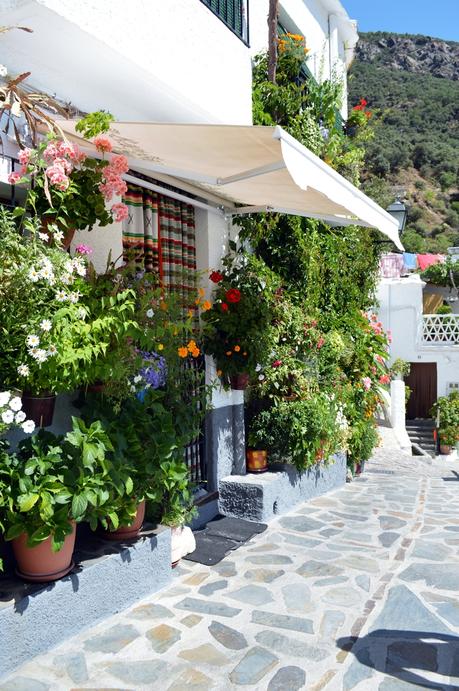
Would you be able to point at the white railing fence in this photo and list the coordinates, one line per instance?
(438, 329)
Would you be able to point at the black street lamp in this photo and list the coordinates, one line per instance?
(399, 211)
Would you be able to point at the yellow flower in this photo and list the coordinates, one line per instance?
(197, 301)
(206, 305)
(190, 313)
(237, 348)
(160, 346)
(201, 292)
(183, 351)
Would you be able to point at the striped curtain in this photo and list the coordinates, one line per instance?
(160, 233)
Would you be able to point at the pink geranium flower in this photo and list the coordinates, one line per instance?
(120, 211)
(366, 381)
(384, 379)
(24, 156)
(103, 144)
(13, 178)
(83, 249)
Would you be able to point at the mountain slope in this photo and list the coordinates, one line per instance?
(412, 82)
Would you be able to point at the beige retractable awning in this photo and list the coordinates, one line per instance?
(250, 168)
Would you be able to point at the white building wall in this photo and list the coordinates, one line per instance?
(400, 311)
(165, 60)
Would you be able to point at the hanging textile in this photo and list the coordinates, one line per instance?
(410, 261)
(391, 265)
(140, 229)
(426, 260)
(160, 233)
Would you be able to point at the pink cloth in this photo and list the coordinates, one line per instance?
(391, 265)
(426, 260)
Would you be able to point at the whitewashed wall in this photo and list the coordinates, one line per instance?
(400, 310)
(165, 60)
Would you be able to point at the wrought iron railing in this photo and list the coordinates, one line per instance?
(234, 13)
(440, 329)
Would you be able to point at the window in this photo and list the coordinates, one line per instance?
(234, 13)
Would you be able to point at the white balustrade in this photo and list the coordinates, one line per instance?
(440, 329)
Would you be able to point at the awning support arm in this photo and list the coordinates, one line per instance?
(252, 173)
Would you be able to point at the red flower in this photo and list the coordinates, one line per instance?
(277, 363)
(363, 102)
(384, 379)
(224, 307)
(233, 295)
(320, 342)
(216, 277)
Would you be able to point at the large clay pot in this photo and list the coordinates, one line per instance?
(239, 382)
(128, 532)
(39, 408)
(257, 461)
(40, 564)
(445, 450)
(183, 542)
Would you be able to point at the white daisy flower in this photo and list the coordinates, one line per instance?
(149, 313)
(137, 378)
(74, 297)
(47, 273)
(41, 355)
(28, 426)
(32, 341)
(34, 275)
(61, 296)
(67, 279)
(69, 267)
(82, 313)
(20, 417)
(23, 370)
(4, 398)
(80, 269)
(46, 325)
(58, 235)
(16, 403)
(33, 351)
(261, 377)
(46, 263)
(52, 350)
(43, 236)
(8, 417)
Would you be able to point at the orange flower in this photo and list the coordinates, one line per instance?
(196, 352)
(219, 373)
(228, 352)
(237, 348)
(206, 305)
(190, 313)
(183, 352)
(191, 345)
(197, 301)
(201, 292)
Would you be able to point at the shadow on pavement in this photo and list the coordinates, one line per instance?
(407, 655)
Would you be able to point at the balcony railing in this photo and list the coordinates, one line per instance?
(440, 329)
(233, 13)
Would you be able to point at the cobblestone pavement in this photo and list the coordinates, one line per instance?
(354, 590)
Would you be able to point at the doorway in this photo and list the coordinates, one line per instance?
(422, 381)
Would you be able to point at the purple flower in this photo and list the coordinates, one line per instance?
(154, 372)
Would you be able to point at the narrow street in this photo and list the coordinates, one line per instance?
(354, 590)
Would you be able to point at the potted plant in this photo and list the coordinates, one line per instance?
(399, 369)
(46, 487)
(449, 436)
(60, 176)
(237, 326)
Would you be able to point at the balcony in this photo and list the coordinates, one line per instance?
(233, 13)
(440, 330)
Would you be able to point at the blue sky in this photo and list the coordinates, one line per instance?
(439, 18)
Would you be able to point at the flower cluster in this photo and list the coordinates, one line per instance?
(11, 413)
(288, 40)
(63, 158)
(154, 372)
(361, 106)
(190, 349)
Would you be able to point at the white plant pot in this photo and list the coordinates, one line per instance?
(182, 542)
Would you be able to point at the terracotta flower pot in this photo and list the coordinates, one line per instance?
(97, 387)
(445, 450)
(69, 233)
(39, 408)
(257, 461)
(128, 532)
(239, 382)
(40, 564)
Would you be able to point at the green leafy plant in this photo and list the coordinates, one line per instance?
(400, 368)
(449, 436)
(53, 480)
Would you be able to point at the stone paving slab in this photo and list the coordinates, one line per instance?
(354, 590)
